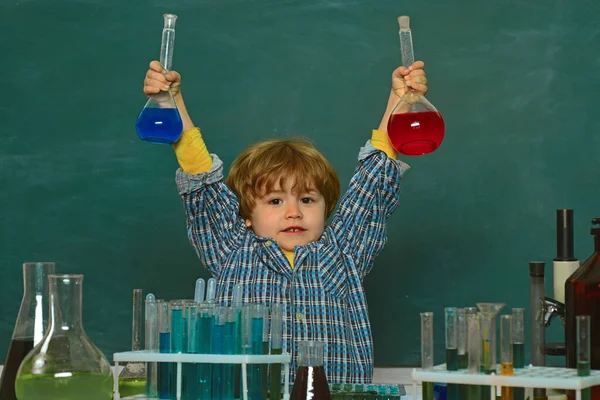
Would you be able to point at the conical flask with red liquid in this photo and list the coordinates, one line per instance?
(415, 127)
(311, 381)
(31, 324)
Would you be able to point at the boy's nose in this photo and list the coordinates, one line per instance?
(293, 212)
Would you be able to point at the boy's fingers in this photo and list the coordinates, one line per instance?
(415, 79)
(173, 76)
(156, 66)
(417, 65)
(157, 76)
(159, 84)
(151, 90)
(420, 87)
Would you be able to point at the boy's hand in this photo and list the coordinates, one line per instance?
(157, 81)
(413, 78)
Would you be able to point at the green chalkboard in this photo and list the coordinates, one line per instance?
(516, 82)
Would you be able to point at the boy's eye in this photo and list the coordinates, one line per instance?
(275, 201)
(307, 200)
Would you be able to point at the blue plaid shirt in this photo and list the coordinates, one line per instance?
(323, 297)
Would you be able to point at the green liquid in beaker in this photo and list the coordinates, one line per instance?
(132, 386)
(81, 385)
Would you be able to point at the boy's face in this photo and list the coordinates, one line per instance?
(291, 218)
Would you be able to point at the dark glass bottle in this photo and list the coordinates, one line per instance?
(582, 297)
(311, 382)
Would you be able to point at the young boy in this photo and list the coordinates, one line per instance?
(265, 227)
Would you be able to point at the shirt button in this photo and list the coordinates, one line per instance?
(268, 243)
(299, 317)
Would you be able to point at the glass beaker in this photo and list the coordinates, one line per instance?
(65, 365)
(31, 323)
(160, 122)
(311, 381)
(415, 127)
(132, 379)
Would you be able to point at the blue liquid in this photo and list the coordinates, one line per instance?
(159, 125)
(255, 370)
(229, 344)
(205, 327)
(177, 329)
(164, 379)
(218, 348)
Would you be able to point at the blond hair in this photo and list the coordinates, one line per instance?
(262, 165)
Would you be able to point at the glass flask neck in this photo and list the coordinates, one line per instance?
(168, 41)
(32, 320)
(65, 303)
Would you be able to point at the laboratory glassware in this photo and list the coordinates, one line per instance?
(159, 121)
(132, 379)
(65, 364)
(311, 381)
(427, 351)
(31, 323)
(415, 127)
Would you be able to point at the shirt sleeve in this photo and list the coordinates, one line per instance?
(372, 196)
(214, 225)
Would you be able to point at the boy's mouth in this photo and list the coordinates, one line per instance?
(294, 229)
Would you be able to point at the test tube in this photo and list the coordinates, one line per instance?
(151, 344)
(236, 304)
(276, 348)
(178, 337)
(474, 344)
(583, 351)
(536, 305)
(164, 334)
(256, 340)
(462, 338)
(451, 319)
(265, 350)
(463, 347)
(199, 290)
(229, 345)
(218, 347)
(506, 354)
(205, 329)
(191, 369)
(427, 351)
(518, 345)
(211, 290)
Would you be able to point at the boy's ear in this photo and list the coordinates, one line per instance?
(248, 223)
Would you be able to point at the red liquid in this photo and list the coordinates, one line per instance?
(311, 383)
(416, 133)
(16, 353)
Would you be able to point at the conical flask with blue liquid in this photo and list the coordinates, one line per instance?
(160, 122)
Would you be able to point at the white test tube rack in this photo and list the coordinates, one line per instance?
(528, 377)
(180, 358)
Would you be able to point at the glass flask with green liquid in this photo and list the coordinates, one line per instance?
(65, 364)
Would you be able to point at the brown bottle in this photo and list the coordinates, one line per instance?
(311, 382)
(582, 297)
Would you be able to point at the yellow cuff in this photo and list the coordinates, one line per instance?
(191, 152)
(381, 141)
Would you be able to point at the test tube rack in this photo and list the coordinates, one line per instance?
(180, 358)
(528, 377)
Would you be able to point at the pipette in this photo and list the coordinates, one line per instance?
(276, 348)
(265, 350)
(151, 344)
(462, 338)
(236, 304)
(199, 290)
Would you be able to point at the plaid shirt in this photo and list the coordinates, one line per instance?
(322, 296)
